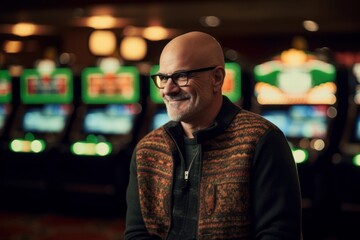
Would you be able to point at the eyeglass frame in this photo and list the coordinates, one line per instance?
(175, 79)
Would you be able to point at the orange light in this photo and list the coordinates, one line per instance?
(133, 48)
(102, 43)
(155, 33)
(13, 46)
(24, 29)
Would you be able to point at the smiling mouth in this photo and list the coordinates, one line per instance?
(176, 99)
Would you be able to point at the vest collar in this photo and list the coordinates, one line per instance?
(222, 121)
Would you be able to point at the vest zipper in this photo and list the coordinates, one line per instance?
(172, 182)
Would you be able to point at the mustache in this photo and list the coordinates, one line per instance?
(176, 97)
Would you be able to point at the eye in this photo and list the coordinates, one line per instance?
(180, 76)
(162, 77)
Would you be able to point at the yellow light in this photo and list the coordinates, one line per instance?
(300, 155)
(78, 148)
(133, 48)
(16, 145)
(24, 29)
(102, 149)
(293, 57)
(102, 43)
(46, 66)
(37, 146)
(109, 65)
(13, 46)
(317, 144)
(101, 22)
(84, 148)
(155, 33)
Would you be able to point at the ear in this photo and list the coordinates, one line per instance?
(219, 75)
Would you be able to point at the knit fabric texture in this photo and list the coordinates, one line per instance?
(224, 208)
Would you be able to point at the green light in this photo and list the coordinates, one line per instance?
(29, 136)
(24, 145)
(356, 160)
(91, 138)
(103, 149)
(91, 149)
(300, 155)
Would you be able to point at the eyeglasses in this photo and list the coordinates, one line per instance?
(180, 78)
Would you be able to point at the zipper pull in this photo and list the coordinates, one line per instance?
(186, 175)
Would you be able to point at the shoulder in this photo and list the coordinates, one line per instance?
(152, 138)
(248, 119)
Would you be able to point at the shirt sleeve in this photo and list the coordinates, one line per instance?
(275, 190)
(135, 227)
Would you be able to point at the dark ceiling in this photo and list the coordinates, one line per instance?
(237, 17)
(256, 28)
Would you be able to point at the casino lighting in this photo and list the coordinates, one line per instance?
(102, 43)
(109, 64)
(25, 145)
(37, 146)
(155, 33)
(24, 29)
(16, 145)
(133, 48)
(310, 26)
(356, 71)
(103, 149)
(300, 155)
(317, 144)
(91, 147)
(45, 66)
(13, 46)
(101, 22)
(210, 21)
(356, 160)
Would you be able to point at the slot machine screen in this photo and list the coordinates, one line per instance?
(300, 121)
(120, 87)
(113, 119)
(46, 89)
(5, 87)
(160, 118)
(46, 118)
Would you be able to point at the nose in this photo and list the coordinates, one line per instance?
(170, 87)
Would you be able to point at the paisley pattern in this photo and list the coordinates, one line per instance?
(224, 187)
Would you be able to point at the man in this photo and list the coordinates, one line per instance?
(215, 171)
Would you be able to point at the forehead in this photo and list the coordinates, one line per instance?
(174, 61)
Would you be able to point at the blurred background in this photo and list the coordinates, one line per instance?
(75, 97)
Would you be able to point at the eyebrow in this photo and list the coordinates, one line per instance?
(178, 71)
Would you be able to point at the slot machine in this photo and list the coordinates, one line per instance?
(232, 88)
(346, 164)
(102, 138)
(297, 92)
(39, 125)
(6, 105)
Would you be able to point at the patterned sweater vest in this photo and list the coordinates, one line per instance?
(224, 187)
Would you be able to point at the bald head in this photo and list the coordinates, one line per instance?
(192, 50)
